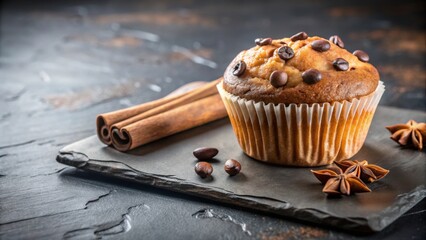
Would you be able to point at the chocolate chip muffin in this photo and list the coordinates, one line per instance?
(301, 101)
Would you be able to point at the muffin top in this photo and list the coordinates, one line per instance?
(300, 69)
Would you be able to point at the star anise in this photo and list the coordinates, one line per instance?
(340, 183)
(411, 133)
(366, 172)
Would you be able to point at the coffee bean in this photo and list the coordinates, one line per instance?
(337, 40)
(232, 167)
(203, 169)
(340, 64)
(239, 68)
(263, 41)
(361, 55)
(205, 153)
(311, 76)
(285, 52)
(320, 45)
(278, 79)
(299, 36)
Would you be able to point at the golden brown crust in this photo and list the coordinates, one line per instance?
(361, 79)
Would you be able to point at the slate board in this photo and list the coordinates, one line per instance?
(290, 192)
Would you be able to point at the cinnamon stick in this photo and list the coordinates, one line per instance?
(104, 122)
(131, 127)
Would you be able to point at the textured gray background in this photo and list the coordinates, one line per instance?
(63, 62)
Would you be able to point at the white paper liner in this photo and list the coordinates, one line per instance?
(301, 134)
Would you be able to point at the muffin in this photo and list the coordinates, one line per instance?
(301, 101)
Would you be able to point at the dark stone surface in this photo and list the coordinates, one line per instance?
(64, 62)
(290, 192)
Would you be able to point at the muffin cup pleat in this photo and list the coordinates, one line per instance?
(301, 134)
(282, 131)
(248, 129)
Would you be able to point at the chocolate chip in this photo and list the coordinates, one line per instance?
(232, 167)
(278, 79)
(205, 153)
(340, 64)
(361, 55)
(337, 40)
(203, 169)
(299, 36)
(285, 52)
(239, 68)
(263, 41)
(311, 76)
(320, 45)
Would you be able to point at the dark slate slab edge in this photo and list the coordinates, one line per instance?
(264, 204)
